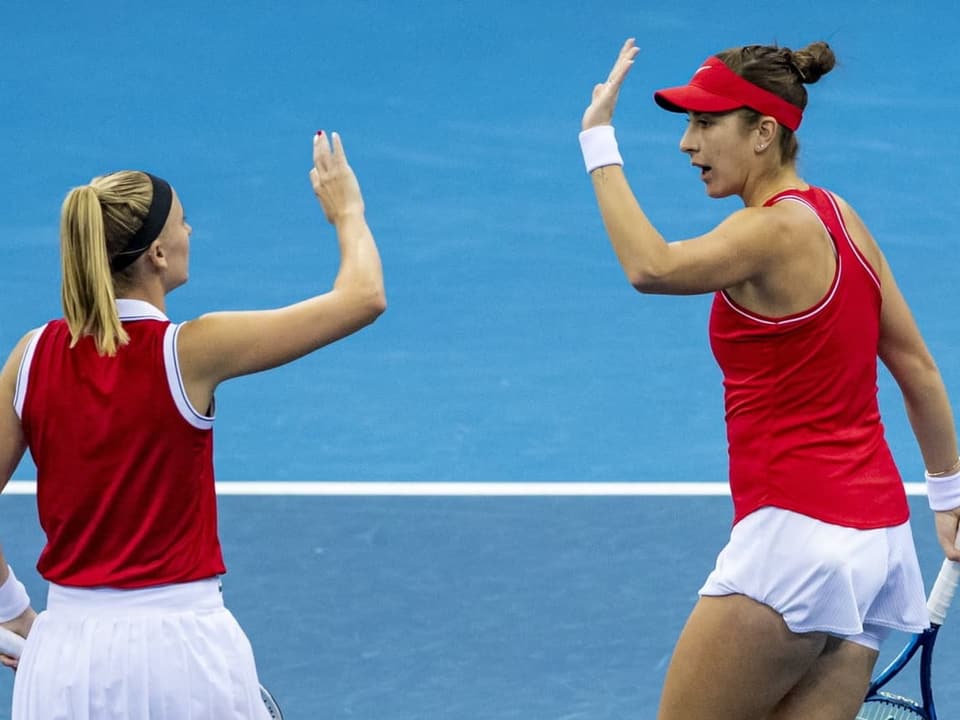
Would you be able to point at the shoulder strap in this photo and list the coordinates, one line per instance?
(23, 374)
(842, 236)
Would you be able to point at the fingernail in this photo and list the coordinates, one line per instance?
(320, 132)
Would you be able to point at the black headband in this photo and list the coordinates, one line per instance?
(152, 225)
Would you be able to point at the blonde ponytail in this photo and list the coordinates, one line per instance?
(96, 220)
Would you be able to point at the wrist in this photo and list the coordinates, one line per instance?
(599, 147)
(13, 598)
(943, 490)
(349, 215)
(955, 468)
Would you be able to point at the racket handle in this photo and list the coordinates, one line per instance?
(943, 590)
(10, 643)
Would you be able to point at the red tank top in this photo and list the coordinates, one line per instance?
(803, 422)
(125, 486)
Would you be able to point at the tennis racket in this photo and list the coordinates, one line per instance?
(271, 704)
(881, 705)
(12, 644)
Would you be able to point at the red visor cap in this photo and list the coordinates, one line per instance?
(716, 88)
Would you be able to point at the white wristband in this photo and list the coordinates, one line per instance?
(943, 491)
(599, 147)
(13, 598)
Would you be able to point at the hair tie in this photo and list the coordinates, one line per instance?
(793, 63)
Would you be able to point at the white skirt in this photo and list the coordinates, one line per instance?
(172, 652)
(856, 584)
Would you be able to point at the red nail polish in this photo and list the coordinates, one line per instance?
(320, 132)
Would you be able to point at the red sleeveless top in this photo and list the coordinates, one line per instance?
(800, 392)
(125, 486)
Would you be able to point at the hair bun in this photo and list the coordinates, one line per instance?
(812, 62)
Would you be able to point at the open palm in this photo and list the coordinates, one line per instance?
(605, 94)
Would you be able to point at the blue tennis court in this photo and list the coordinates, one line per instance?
(513, 349)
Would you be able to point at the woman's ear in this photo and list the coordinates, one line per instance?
(158, 258)
(766, 130)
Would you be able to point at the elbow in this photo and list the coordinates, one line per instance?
(361, 301)
(378, 305)
(921, 381)
(916, 374)
(372, 304)
(910, 366)
(644, 280)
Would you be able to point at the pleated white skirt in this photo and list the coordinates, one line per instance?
(856, 584)
(172, 652)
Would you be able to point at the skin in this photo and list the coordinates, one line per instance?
(219, 346)
(775, 261)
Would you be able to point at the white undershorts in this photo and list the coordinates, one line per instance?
(856, 584)
(172, 651)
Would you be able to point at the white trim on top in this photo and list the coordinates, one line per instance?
(23, 373)
(175, 381)
(853, 246)
(129, 309)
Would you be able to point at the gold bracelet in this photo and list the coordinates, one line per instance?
(955, 468)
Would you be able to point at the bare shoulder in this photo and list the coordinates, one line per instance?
(776, 227)
(764, 221)
(196, 335)
(12, 365)
(204, 329)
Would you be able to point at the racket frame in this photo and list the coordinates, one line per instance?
(941, 595)
(924, 643)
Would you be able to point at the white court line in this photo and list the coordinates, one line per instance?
(463, 489)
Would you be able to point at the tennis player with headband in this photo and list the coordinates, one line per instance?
(116, 404)
(821, 564)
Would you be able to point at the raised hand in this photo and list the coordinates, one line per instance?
(605, 94)
(333, 181)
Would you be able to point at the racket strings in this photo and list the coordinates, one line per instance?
(883, 710)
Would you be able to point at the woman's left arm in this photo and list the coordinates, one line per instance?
(925, 398)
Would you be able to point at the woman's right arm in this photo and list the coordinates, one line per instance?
(223, 345)
(12, 448)
(12, 443)
(744, 247)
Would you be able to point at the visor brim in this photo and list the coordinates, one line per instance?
(690, 98)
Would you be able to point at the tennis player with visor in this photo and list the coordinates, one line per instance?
(820, 565)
